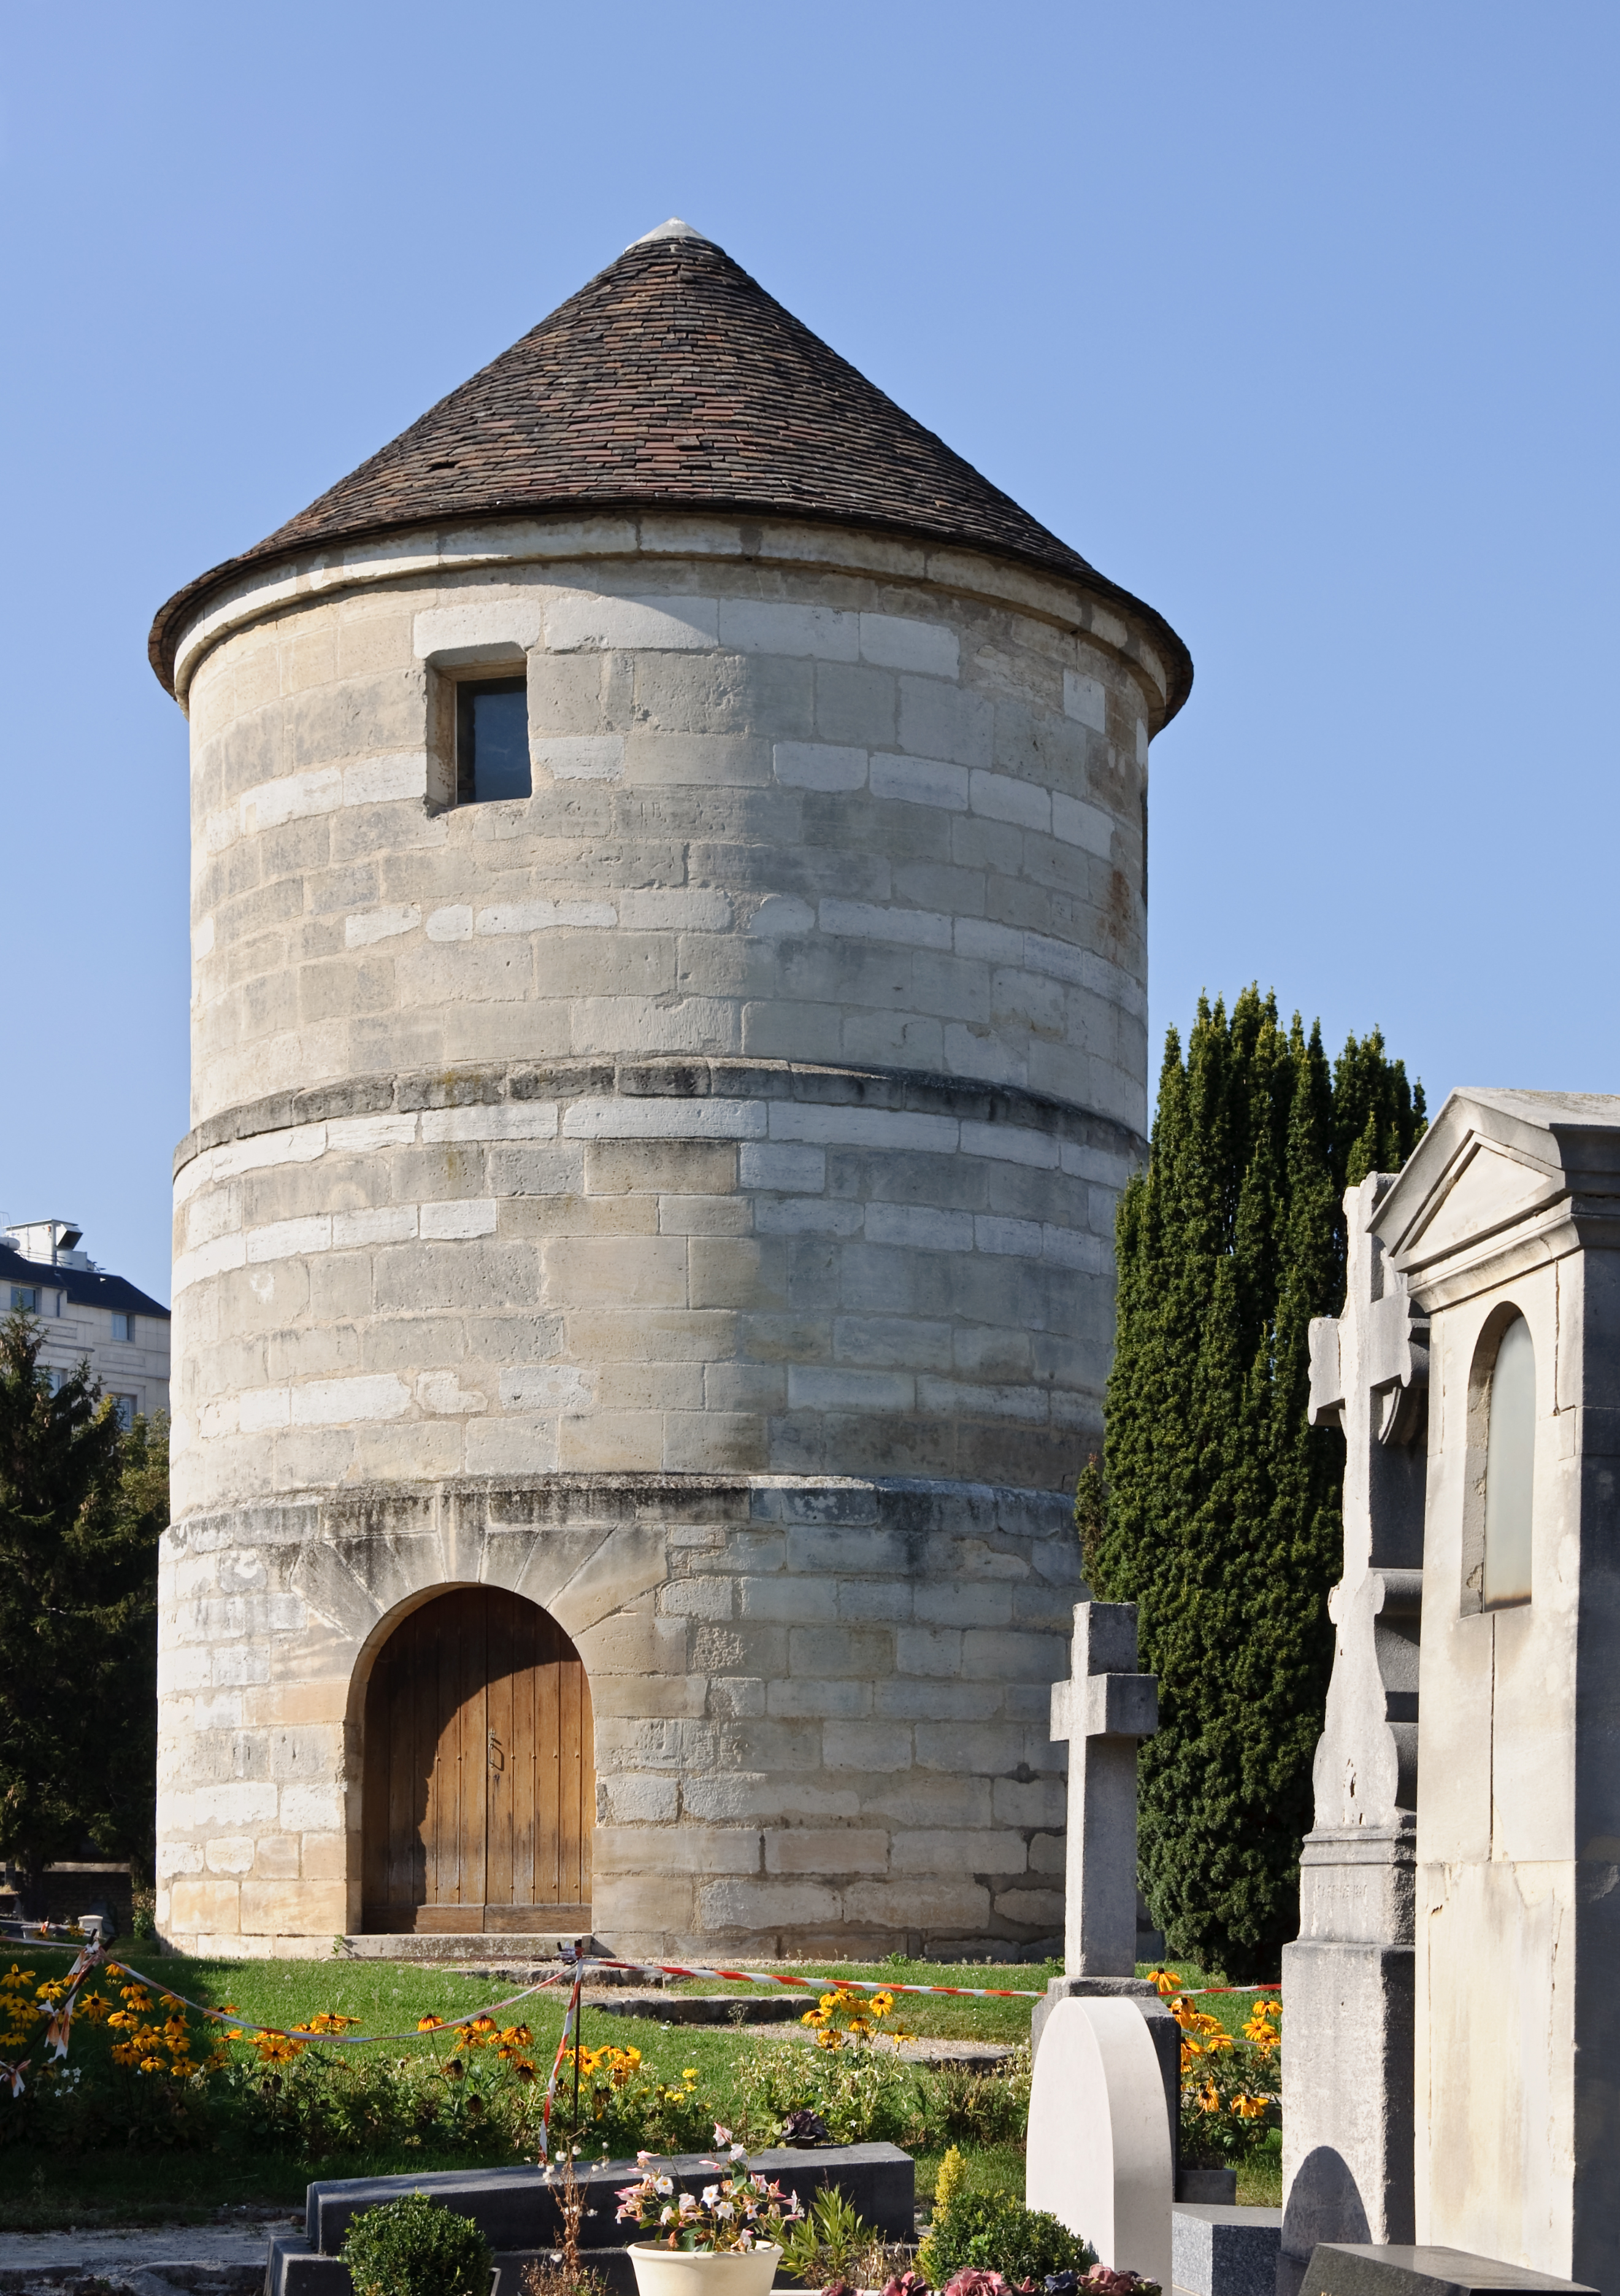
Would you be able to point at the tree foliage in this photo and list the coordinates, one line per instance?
(1216, 1508)
(82, 1507)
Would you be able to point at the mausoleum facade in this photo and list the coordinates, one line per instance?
(668, 921)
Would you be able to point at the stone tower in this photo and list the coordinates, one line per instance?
(668, 913)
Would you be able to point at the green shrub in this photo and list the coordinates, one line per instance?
(994, 2232)
(414, 2247)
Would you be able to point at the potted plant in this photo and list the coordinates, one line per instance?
(718, 2241)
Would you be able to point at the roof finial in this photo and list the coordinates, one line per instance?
(673, 229)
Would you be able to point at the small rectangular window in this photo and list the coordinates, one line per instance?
(124, 1407)
(25, 1299)
(123, 1326)
(492, 739)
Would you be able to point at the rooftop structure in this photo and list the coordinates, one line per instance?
(85, 1312)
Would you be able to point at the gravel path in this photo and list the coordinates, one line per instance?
(147, 2260)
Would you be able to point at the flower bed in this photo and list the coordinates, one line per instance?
(1232, 2083)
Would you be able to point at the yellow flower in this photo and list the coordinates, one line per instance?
(276, 2049)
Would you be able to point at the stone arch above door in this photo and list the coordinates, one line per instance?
(478, 1779)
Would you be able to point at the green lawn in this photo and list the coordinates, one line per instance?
(40, 2191)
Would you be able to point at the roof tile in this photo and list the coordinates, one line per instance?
(672, 380)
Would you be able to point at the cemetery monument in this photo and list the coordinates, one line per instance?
(1501, 1234)
(1348, 1980)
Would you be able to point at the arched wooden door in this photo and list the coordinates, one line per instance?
(480, 1782)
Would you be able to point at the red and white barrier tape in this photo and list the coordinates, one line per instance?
(91, 1956)
(886, 1985)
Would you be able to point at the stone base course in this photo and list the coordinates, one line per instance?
(819, 1704)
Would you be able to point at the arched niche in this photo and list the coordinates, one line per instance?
(479, 1785)
(1501, 1496)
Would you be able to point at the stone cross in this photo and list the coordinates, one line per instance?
(1103, 1709)
(1348, 2041)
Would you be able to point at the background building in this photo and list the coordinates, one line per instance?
(85, 1312)
(669, 930)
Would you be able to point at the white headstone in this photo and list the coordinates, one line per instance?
(1104, 1709)
(1098, 2152)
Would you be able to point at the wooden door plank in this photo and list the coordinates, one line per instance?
(498, 1608)
(429, 1660)
(527, 1640)
(475, 1746)
(408, 1785)
(549, 1785)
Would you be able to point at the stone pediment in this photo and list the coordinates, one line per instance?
(1494, 1165)
(1487, 1189)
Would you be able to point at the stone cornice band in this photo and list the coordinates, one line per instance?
(676, 1078)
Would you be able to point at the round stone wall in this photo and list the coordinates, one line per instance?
(751, 1101)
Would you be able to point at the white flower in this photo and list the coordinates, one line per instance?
(642, 2160)
(739, 2152)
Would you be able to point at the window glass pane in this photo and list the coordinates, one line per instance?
(123, 1410)
(492, 741)
(1510, 1469)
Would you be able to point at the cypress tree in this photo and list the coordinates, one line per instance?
(1216, 1507)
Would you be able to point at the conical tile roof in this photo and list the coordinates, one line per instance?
(672, 380)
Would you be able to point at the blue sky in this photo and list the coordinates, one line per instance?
(1297, 320)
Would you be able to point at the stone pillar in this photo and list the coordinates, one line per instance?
(1347, 2036)
(1505, 1225)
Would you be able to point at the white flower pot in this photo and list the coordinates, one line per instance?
(696, 2272)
